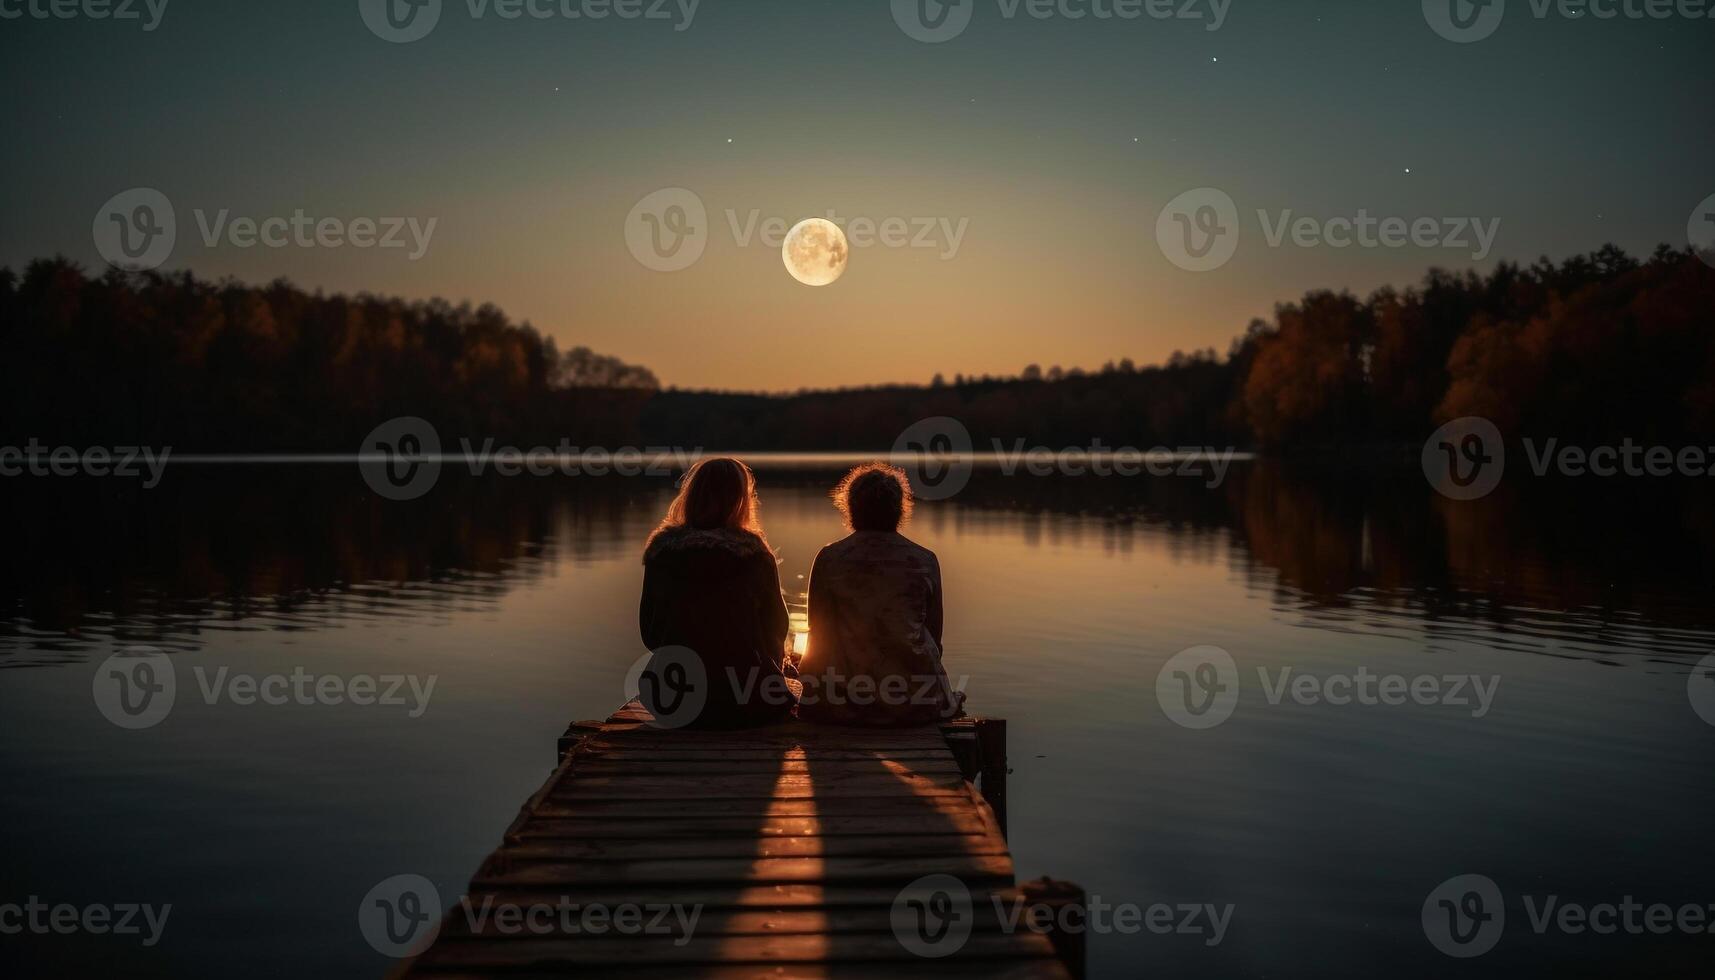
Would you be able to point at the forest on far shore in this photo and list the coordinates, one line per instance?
(1597, 347)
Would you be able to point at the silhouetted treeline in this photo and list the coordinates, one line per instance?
(1182, 405)
(155, 359)
(1598, 347)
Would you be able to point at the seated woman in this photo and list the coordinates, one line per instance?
(875, 615)
(712, 611)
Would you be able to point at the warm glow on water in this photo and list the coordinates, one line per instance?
(1065, 600)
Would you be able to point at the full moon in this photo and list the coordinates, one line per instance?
(815, 251)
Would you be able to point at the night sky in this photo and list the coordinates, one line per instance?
(1055, 144)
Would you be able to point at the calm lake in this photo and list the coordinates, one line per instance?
(1563, 755)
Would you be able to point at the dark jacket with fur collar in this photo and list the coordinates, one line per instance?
(716, 593)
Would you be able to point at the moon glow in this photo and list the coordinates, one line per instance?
(815, 251)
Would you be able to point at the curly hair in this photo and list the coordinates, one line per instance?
(874, 497)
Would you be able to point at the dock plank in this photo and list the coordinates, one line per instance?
(895, 826)
(723, 922)
(769, 765)
(569, 805)
(988, 969)
(792, 844)
(780, 759)
(763, 786)
(702, 871)
(591, 849)
(574, 951)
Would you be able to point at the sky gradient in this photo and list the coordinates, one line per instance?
(1053, 143)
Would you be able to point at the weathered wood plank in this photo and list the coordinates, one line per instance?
(928, 765)
(778, 897)
(990, 969)
(589, 849)
(504, 919)
(784, 740)
(750, 828)
(810, 753)
(993, 869)
(741, 786)
(850, 948)
(642, 808)
(807, 735)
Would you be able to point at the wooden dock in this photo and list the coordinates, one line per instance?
(794, 842)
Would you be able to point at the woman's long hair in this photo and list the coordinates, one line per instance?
(715, 493)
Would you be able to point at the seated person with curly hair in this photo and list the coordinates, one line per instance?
(874, 653)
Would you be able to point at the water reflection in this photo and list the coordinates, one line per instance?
(1325, 825)
(279, 549)
(1578, 568)
(1597, 566)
